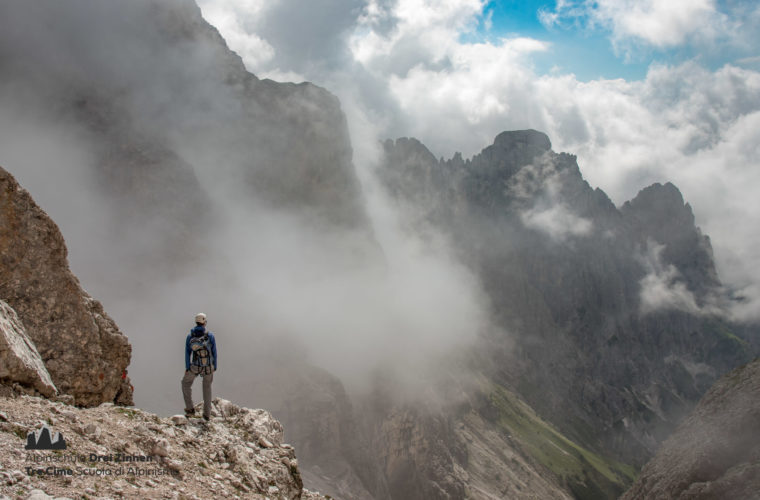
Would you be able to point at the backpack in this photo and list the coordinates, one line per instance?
(201, 363)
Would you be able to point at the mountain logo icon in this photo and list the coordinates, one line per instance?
(44, 439)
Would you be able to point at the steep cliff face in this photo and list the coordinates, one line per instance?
(715, 452)
(168, 127)
(152, 125)
(82, 348)
(614, 313)
(337, 455)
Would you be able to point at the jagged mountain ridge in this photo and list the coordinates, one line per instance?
(463, 198)
(153, 158)
(565, 271)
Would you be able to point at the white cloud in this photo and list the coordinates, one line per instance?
(557, 221)
(407, 68)
(474, 84)
(657, 23)
(537, 189)
(663, 288)
(749, 60)
(424, 34)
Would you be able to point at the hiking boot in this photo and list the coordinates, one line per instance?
(190, 413)
(206, 418)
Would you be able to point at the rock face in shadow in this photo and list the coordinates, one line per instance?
(176, 117)
(82, 348)
(611, 318)
(715, 452)
(337, 456)
(19, 360)
(169, 133)
(377, 447)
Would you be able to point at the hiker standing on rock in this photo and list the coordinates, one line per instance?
(200, 359)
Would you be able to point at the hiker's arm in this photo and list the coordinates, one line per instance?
(187, 354)
(213, 351)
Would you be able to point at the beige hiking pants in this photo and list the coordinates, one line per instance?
(187, 391)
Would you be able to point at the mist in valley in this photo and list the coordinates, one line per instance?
(283, 286)
(354, 284)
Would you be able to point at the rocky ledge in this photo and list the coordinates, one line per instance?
(119, 452)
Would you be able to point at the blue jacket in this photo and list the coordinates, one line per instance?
(199, 331)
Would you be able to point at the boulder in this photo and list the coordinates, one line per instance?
(19, 360)
(82, 348)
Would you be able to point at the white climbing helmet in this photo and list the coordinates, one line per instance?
(200, 318)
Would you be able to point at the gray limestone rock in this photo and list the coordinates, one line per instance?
(158, 458)
(19, 360)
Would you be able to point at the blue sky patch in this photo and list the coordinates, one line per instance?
(589, 54)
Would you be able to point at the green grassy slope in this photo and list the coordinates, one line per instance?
(587, 474)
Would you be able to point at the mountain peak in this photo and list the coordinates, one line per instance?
(661, 206)
(518, 139)
(662, 195)
(660, 213)
(409, 147)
